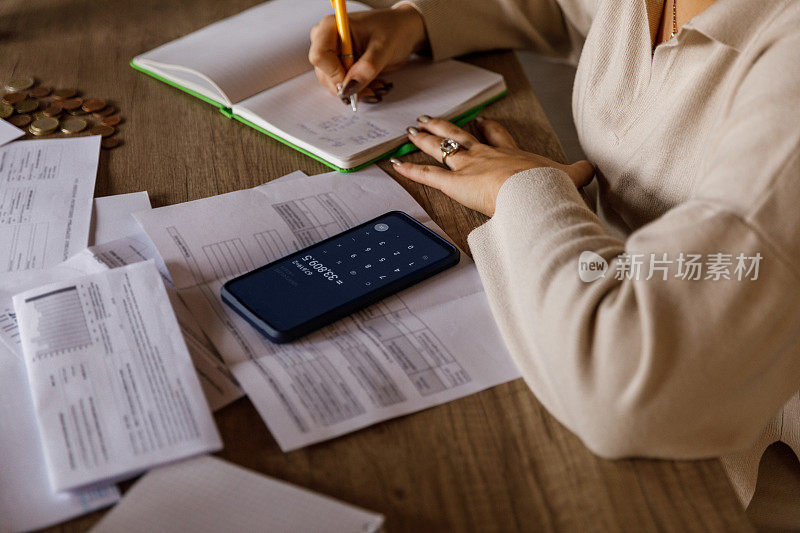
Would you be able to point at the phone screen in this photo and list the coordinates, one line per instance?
(338, 271)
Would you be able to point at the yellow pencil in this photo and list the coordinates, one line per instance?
(343, 25)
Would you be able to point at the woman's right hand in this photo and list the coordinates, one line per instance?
(383, 40)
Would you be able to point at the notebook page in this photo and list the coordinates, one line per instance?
(244, 54)
(207, 494)
(303, 112)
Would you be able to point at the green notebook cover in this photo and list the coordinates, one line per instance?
(404, 149)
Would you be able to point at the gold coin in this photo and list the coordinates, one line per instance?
(13, 98)
(6, 110)
(63, 94)
(43, 126)
(53, 110)
(26, 106)
(20, 121)
(20, 83)
(73, 125)
(105, 131)
(40, 92)
(111, 142)
(93, 105)
(112, 120)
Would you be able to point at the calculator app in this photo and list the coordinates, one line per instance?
(323, 277)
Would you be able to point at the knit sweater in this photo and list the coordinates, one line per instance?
(697, 148)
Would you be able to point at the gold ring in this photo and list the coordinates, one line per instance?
(449, 147)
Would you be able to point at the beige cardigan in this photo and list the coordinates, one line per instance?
(698, 151)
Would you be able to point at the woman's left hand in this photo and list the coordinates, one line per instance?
(477, 171)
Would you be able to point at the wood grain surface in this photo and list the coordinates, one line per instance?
(494, 461)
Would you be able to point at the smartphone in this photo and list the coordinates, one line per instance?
(315, 286)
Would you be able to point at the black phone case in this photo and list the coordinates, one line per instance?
(282, 336)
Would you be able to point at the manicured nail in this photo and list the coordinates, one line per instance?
(423, 119)
(478, 119)
(395, 161)
(371, 99)
(412, 130)
(352, 87)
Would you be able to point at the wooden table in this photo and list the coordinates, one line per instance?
(492, 461)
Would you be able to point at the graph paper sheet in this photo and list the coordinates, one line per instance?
(113, 386)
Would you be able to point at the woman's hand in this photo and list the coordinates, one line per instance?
(478, 170)
(383, 40)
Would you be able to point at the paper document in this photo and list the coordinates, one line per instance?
(429, 344)
(112, 220)
(27, 500)
(219, 385)
(9, 132)
(113, 386)
(206, 494)
(46, 190)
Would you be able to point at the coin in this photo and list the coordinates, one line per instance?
(71, 104)
(43, 126)
(93, 105)
(111, 142)
(20, 121)
(63, 94)
(13, 98)
(26, 106)
(73, 125)
(105, 131)
(111, 120)
(40, 92)
(20, 83)
(107, 110)
(52, 110)
(6, 110)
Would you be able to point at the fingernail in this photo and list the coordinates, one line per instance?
(478, 119)
(423, 119)
(371, 99)
(412, 130)
(395, 161)
(352, 87)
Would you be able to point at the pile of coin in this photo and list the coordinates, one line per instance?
(46, 111)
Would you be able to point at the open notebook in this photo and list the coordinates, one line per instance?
(254, 67)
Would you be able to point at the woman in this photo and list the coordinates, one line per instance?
(690, 114)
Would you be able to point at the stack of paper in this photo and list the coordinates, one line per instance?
(427, 345)
(110, 354)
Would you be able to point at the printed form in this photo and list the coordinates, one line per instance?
(219, 385)
(432, 343)
(46, 190)
(27, 500)
(113, 387)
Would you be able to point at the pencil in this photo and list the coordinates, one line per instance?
(343, 25)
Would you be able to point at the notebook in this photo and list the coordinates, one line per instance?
(254, 67)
